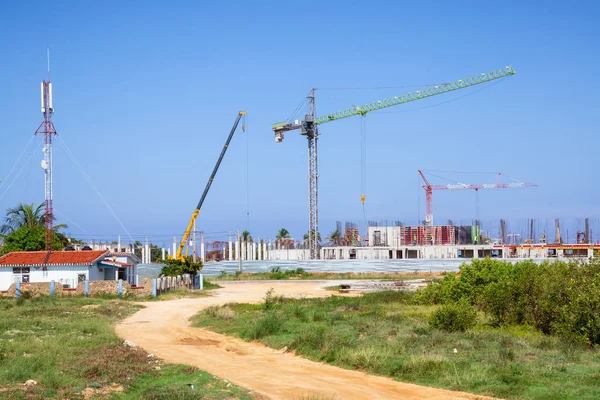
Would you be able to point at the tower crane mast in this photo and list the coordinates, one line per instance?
(309, 128)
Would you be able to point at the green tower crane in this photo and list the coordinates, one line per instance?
(309, 128)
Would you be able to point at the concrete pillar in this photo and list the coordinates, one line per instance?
(174, 246)
(254, 250)
(119, 244)
(202, 255)
(163, 253)
(237, 250)
(264, 250)
(243, 251)
(230, 250)
(590, 252)
(116, 273)
(169, 252)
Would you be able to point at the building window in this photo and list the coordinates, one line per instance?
(81, 278)
(21, 274)
(377, 238)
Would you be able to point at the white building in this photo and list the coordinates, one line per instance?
(67, 267)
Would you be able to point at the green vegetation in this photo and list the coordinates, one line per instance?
(316, 235)
(558, 298)
(454, 317)
(175, 267)
(394, 334)
(334, 238)
(69, 348)
(277, 273)
(23, 230)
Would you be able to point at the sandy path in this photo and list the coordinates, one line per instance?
(162, 328)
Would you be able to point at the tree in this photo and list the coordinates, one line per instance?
(334, 238)
(245, 237)
(175, 267)
(25, 215)
(30, 239)
(317, 236)
(282, 234)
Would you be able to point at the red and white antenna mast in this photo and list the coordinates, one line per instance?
(47, 129)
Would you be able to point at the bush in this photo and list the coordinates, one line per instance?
(224, 313)
(175, 267)
(561, 298)
(454, 317)
(270, 324)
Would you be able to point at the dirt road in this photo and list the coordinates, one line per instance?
(162, 328)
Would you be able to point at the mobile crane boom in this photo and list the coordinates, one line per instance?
(186, 235)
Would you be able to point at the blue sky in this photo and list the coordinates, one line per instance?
(145, 94)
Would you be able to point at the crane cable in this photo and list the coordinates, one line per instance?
(247, 174)
(14, 178)
(363, 168)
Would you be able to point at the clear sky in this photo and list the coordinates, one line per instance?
(146, 92)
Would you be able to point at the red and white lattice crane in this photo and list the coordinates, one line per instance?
(429, 188)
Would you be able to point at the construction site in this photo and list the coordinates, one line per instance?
(393, 240)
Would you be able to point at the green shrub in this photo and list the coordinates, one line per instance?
(454, 317)
(175, 267)
(270, 324)
(561, 298)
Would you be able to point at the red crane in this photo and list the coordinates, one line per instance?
(429, 188)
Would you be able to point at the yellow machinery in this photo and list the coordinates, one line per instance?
(186, 235)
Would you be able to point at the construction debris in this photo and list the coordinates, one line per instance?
(381, 286)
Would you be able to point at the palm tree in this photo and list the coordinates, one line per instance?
(245, 237)
(25, 215)
(282, 234)
(318, 236)
(334, 238)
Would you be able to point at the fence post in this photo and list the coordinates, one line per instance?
(52, 288)
(120, 287)
(153, 287)
(18, 289)
(201, 284)
(86, 288)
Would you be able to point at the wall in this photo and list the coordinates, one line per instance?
(59, 274)
(95, 274)
(6, 277)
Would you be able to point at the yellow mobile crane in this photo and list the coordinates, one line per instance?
(186, 235)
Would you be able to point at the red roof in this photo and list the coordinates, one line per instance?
(56, 258)
(115, 263)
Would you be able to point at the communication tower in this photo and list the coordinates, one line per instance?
(47, 129)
